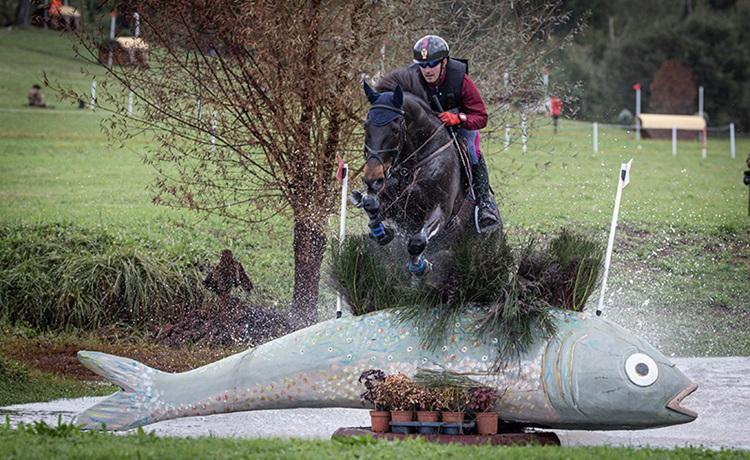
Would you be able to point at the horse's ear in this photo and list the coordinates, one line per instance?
(398, 96)
(372, 95)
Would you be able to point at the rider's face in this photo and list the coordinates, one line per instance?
(431, 74)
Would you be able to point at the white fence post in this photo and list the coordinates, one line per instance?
(596, 137)
(524, 138)
(214, 124)
(732, 146)
(704, 142)
(92, 104)
(130, 102)
(506, 142)
(674, 141)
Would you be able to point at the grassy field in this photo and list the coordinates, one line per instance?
(681, 270)
(64, 442)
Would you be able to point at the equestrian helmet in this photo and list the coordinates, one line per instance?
(430, 48)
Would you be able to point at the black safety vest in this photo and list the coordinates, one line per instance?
(449, 93)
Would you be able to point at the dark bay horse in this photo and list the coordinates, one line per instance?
(413, 175)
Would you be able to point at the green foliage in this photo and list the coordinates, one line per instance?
(512, 296)
(19, 385)
(97, 444)
(59, 276)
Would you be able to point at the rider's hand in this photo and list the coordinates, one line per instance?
(450, 118)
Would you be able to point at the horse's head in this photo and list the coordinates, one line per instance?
(384, 135)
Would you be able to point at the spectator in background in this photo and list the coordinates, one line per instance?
(555, 110)
(35, 97)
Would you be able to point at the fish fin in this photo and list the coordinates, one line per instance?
(129, 408)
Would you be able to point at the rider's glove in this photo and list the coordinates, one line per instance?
(450, 118)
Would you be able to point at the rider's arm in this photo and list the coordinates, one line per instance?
(472, 106)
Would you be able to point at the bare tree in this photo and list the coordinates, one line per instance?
(250, 102)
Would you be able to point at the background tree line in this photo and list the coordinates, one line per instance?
(627, 42)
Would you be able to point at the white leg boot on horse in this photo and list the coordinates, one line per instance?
(487, 215)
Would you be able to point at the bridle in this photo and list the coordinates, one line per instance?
(376, 154)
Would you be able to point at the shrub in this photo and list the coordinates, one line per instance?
(371, 379)
(482, 399)
(397, 392)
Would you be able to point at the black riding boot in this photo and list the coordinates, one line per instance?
(487, 217)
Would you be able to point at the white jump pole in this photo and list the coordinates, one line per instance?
(596, 137)
(622, 181)
(92, 104)
(214, 125)
(732, 146)
(674, 141)
(342, 223)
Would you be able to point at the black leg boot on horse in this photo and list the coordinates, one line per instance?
(487, 216)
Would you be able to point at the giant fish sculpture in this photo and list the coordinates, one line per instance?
(591, 374)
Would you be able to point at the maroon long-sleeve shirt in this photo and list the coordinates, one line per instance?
(472, 105)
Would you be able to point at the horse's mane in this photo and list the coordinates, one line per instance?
(409, 80)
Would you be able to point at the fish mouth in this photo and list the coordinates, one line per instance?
(675, 403)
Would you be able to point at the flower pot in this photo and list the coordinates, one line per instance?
(427, 416)
(487, 423)
(402, 415)
(453, 418)
(380, 421)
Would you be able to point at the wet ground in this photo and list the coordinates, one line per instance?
(722, 402)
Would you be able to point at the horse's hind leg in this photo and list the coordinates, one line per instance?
(418, 265)
(378, 231)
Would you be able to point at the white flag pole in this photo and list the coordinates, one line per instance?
(621, 183)
(342, 223)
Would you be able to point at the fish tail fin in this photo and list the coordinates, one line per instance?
(129, 408)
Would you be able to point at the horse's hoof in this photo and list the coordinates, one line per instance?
(421, 268)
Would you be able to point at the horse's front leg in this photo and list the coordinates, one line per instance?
(378, 231)
(418, 265)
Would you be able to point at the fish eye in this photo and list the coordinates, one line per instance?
(641, 369)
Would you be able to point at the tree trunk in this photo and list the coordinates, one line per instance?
(309, 249)
(23, 13)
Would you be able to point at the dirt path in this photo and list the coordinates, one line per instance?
(721, 401)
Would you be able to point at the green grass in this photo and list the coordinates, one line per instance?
(20, 384)
(56, 166)
(43, 441)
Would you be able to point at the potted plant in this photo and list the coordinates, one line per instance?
(454, 402)
(428, 403)
(482, 401)
(380, 417)
(399, 393)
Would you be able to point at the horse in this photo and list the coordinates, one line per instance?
(413, 176)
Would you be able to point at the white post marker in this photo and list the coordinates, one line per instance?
(137, 19)
(130, 102)
(596, 137)
(342, 175)
(674, 141)
(214, 125)
(623, 180)
(732, 147)
(92, 104)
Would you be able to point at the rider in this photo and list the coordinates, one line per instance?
(462, 107)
